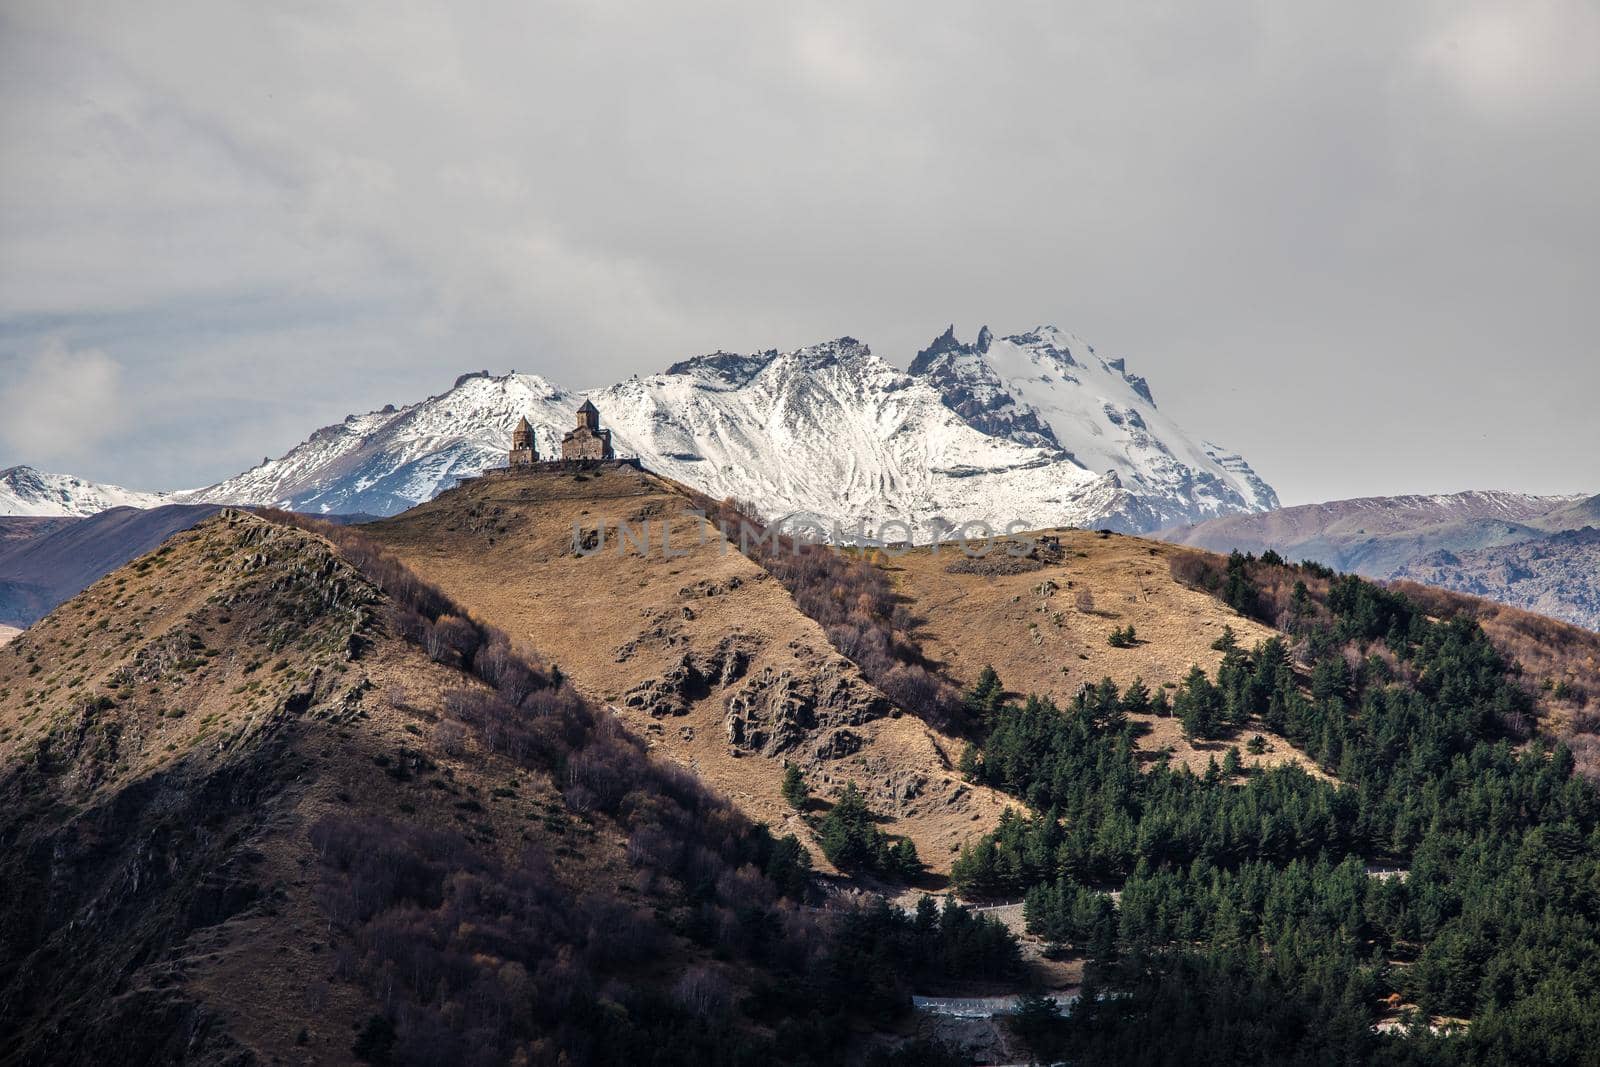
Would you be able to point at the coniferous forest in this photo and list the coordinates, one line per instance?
(1444, 879)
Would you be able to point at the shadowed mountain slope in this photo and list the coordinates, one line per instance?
(169, 740)
(1558, 575)
(40, 572)
(256, 808)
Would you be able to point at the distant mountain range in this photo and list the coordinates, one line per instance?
(25, 491)
(1035, 428)
(828, 429)
(1541, 553)
(43, 562)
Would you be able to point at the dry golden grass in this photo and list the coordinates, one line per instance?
(502, 548)
(269, 972)
(1030, 628)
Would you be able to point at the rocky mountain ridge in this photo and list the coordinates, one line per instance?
(30, 492)
(1035, 429)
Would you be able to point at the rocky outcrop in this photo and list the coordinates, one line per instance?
(776, 711)
(694, 676)
(1557, 576)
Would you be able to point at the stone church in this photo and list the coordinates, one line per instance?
(587, 441)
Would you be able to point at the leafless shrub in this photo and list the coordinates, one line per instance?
(703, 993)
(1586, 722)
(451, 737)
(1083, 600)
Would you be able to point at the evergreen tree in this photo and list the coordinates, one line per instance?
(794, 788)
(984, 699)
(1238, 592)
(1198, 705)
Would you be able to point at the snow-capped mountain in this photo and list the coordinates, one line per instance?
(834, 431)
(1033, 429)
(25, 491)
(1049, 389)
(389, 460)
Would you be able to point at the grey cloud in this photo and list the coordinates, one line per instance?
(1356, 243)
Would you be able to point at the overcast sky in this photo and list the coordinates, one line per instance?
(1359, 243)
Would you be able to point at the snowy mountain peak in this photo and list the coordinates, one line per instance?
(1033, 427)
(26, 491)
(732, 368)
(835, 431)
(390, 459)
(738, 369)
(1048, 389)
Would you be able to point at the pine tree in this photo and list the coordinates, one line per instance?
(1198, 705)
(1136, 698)
(1239, 592)
(846, 831)
(794, 788)
(982, 702)
(969, 767)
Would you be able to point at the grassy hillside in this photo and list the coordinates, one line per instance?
(1045, 628)
(288, 791)
(169, 740)
(702, 652)
(271, 799)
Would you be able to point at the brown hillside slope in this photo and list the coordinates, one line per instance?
(702, 652)
(170, 741)
(1042, 635)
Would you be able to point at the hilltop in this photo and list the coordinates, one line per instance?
(1043, 622)
(702, 652)
(170, 741)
